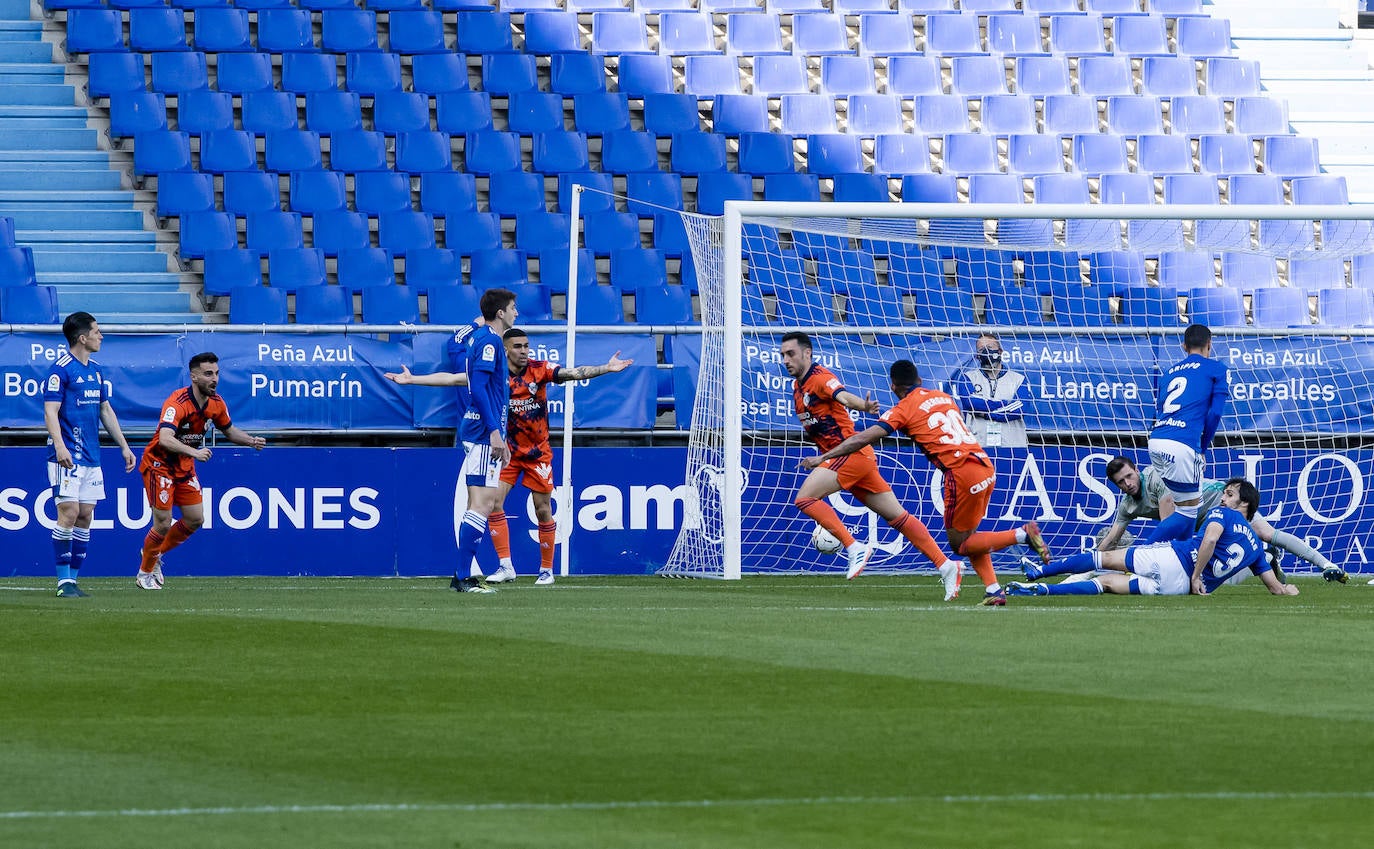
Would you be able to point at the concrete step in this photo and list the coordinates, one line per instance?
(52, 140)
(103, 300)
(186, 317)
(144, 281)
(59, 197)
(129, 239)
(75, 219)
(29, 94)
(50, 259)
(14, 10)
(25, 51)
(67, 180)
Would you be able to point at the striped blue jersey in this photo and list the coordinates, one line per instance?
(489, 385)
(80, 389)
(1190, 399)
(457, 349)
(1236, 550)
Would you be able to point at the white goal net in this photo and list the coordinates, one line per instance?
(1085, 305)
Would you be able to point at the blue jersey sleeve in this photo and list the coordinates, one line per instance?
(55, 384)
(1217, 406)
(482, 376)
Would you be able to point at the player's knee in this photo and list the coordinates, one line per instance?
(193, 523)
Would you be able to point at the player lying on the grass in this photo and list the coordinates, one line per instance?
(1144, 496)
(822, 405)
(932, 420)
(1222, 548)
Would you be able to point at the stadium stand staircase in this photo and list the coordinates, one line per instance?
(1312, 55)
(69, 201)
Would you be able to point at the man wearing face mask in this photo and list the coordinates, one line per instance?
(994, 397)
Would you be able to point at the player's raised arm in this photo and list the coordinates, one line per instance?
(866, 404)
(439, 378)
(854, 443)
(111, 422)
(613, 365)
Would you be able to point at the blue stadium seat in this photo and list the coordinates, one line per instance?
(137, 112)
(174, 73)
(459, 113)
(873, 305)
(363, 268)
(247, 192)
(157, 30)
(1140, 35)
(108, 73)
(453, 304)
(598, 113)
(206, 231)
(447, 193)
(291, 269)
(805, 306)
(432, 268)
(1255, 189)
(834, 153)
(1216, 307)
(225, 269)
(552, 33)
(1232, 78)
(878, 37)
(499, 267)
(405, 230)
(1038, 76)
(606, 232)
(640, 75)
(632, 268)
(1226, 154)
(257, 5)
(94, 31)
(1203, 37)
(1315, 273)
(553, 268)
(820, 35)
(332, 111)
(516, 192)
(1344, 307)
(1168, 76)
(669, 114)
(257, 305)
(1005, 114)
(753, 35)
(396, 5)
(711, 74)
(390, 305)
(504, 74)
(400, 112)
(930, 188)
(205, 111)
(670, 236)
(221, 31)
(1075, 305)
(696, 154)
(1105, 76)
(597, 200)
(1247, 271)
(1280, 307)
(322, 305)
(416, 31)
(1032, 153)
(286, 30)
(16, 267)
(808, 114)
(914, 75)
(340, 231)
(372, 73)
(663, 305)
(1156, 154)
(1015, 35)
(440, 73)
(469, 232)
(685, 33)
(357, 150)
(303, 73)
(860, 188)
(492, 152)
(159, 151)
(1150, 306)
(180, 192)
(1196, 115)
(1077, 35)
(627, 152)
(599, 305)
(537, 231)
(953, 34)
(970, 153)
(1291, 156)
(424, 152)
(1261, 116)
(1014, 307)
(1070, 114)
(1132, 115)
(734, 114)
(763, 153)
(1186, 270)
(977, 76)
(535, 112)
(938, 114)
(293, 150)
(875, 114)
(314, 192)
(241, 73)
(1099, 154)
(228, 150)
(1322, 188)
(1117, 269)
(574, 74)
(616, 33)
(29, 305)
(533, 299)
(651, 191)
(273, 230)
(484, 32)
(943, 306)
(979, 270)
(799, 188)
(713, 190)
(901, 153)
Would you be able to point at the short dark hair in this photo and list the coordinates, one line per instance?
(1196, 337)
(796, 336)
(203, 358)
(1118, 463)
(513, 333)
(1249, 495)
(76, 325)
(904, 373)
(495, 300)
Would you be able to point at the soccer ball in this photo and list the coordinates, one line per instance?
(824, 541)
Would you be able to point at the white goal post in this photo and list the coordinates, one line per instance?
(871, 283)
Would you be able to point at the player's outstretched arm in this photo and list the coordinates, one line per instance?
(111, 422)
(866, 404)
(1112, 535)
(849, 446)
(1276, 586)
(239, 437)
(614, 365)
(439, 378)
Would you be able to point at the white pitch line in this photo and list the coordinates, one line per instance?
(650, 804)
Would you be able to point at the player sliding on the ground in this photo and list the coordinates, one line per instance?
(1144, 496)
(932, 420)
(1222, 548)
(823, 404)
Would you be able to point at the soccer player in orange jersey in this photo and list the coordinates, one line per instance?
(823, 404)
(169, 467)
(531, 455)
(933, 420)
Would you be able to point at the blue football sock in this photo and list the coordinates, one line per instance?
(1178, 526)
(1076, 588)
(81, 540)
(1084, 562)
(471, 534)
(62, 550)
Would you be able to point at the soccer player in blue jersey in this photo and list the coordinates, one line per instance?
(1191, 397)
(1223, 547)
(76, 401)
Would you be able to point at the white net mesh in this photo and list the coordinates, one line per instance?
(1085, 313)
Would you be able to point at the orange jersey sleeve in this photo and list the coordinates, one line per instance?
(527, 430)
(189, 423)
(825, 420)
(932, 419)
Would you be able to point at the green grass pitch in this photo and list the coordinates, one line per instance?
(642, 712)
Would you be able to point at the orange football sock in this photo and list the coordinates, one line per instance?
(548, 538)
(178, 534)
(984, 542)
(500, 533)
(918, 535)
(821, 511)
(982, 564)
(151, 543)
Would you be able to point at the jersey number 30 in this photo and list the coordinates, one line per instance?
(953, 429)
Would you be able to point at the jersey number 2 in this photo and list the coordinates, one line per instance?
(1175, 389)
